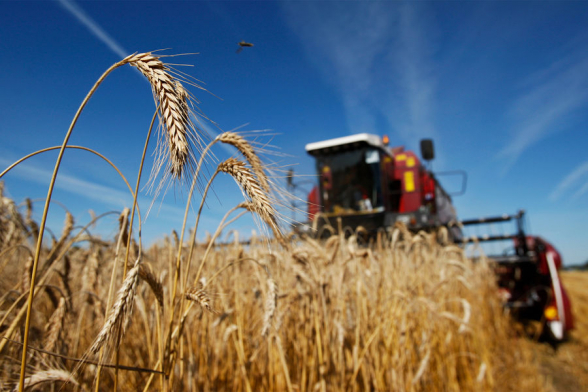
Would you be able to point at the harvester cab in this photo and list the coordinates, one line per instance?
(364, 183)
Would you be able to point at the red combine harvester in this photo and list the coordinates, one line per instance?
(364, 183)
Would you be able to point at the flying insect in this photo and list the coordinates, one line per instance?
(244, 44)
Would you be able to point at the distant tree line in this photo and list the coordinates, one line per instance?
(577, 267)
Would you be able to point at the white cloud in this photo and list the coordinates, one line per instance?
(93, 27)
(412, 54)
(376, 54)
(550, 96)
(569, 181)
(580, 192)
(105, 195)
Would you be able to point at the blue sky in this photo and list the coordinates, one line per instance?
(502, 88)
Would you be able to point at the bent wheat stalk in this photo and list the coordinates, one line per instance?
(200, 296)
(47, 376)
(174, 111)
(252, 188)
(147, 275)
(248, 152)
(121, 310)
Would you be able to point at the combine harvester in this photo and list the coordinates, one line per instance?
(365, 185)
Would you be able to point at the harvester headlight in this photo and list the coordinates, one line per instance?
(550, 313)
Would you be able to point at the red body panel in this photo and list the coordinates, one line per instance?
(428, 191)
(406, 170)
(313, 203)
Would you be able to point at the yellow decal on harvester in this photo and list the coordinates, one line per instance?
(408, 181)
(410, 162)
(400, 157)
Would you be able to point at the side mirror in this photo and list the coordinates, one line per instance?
(427, 149)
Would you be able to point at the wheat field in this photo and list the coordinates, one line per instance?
(566, 366)
(403, 312)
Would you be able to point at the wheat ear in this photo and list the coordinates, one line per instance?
(250, 185)
(90, 276)
(123, 225)
(174, 109)
(26, 276)
(200, 296)
(121, 310)
(270, 306)
(67, 227)
(54, 326)
(33, 227)
(147, 275)
(248, 152)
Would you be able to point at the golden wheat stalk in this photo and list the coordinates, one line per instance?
(123, 225)
(32, 225)
(147, 275)
(270, 306)
(246, 205)
(174, 110)
(54, 326)
(200, 296)
(249, 153)
(90, 276)
(252, 188)
(67, 227)
(228, 331)
(26, 276)
(121, 310)
(422, 367)
(47, 376)
(166, 95)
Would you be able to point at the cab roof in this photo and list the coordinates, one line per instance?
(344, 143)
